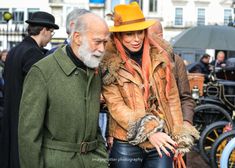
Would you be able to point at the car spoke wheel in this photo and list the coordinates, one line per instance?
(205, 114)
(217, 149)
(208, 137)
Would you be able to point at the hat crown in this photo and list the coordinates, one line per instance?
(42, 16)
(134, 12)
(42, 19)
(129, 18)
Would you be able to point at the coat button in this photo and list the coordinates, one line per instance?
(76, 72)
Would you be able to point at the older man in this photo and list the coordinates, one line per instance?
(220, 60)
(58, 124)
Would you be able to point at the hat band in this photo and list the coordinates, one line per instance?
(129, 22)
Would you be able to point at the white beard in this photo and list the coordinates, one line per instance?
(90, 59)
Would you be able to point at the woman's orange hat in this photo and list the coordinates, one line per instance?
(129, 18)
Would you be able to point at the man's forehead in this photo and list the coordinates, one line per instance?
(98, 34)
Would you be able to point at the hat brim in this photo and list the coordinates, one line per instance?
(132, 27)
(40, 23)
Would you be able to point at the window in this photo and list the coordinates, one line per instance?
(31, 11)
(227, 16)
(152, 5)
(200, 16)
(97, 1)
(179, 16)
(18, 16)
(2, 10)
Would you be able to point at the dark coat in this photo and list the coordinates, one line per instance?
(217, 64)
(19, 61)
(200, 67)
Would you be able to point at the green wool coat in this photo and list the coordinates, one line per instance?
(60, 102)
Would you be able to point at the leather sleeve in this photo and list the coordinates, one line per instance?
(138, 124)
(117, 108)
(187, 102)
(174, 103)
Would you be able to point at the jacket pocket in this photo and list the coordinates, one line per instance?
(124, 87)
(121, 81)
(161, 73)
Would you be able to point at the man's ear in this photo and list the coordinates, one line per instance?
(77, 38)
(71, 25)
(44, 29)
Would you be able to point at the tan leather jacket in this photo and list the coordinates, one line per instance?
(123, 93)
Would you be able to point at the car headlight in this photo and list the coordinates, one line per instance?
(195, 92)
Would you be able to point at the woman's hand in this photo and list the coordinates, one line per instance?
(162, 141)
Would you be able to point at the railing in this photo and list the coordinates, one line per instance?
(11, 37)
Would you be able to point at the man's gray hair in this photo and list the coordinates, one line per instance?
(81, 23)
(74, 14)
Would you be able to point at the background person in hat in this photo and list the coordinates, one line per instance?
(142, 97)
(59, 109)
(19, 61)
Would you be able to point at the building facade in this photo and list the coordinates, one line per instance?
(175, 15)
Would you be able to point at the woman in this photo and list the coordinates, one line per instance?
(141, 94)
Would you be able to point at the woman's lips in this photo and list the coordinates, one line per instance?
(136, 46)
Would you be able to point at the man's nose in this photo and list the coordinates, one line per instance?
(101, 47)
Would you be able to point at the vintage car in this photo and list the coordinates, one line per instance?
(215, 105)
(216, 98)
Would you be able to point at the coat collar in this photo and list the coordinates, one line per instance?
(157, 58)
(112, 60)
(64, 61)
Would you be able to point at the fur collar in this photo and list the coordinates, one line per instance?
(112, 62)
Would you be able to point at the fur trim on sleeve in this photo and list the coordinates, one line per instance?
(185, 137)
(139, 131)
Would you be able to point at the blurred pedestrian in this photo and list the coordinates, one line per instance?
(202, 66)
(142, 97)
(219, 61)
(3, 55)
(69, 24)
(59, 110)
(19, 61)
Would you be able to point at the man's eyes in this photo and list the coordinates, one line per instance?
(100, 42)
